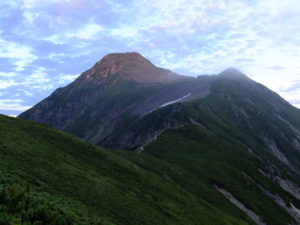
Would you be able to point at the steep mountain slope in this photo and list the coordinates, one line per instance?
(118, 89)
(113, 105)
(48, 177)
(238, 109)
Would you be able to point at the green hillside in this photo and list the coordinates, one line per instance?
(49, 177)
(197, 161)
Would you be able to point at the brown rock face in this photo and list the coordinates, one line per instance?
(130, 66)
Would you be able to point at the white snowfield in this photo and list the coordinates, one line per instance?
(174, 101)
(169, 103)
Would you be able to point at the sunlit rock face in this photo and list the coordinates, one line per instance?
(131, 66)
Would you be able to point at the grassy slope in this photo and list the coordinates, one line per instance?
(197, 160)
(47, 175)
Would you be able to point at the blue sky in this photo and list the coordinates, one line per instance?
(45, 44)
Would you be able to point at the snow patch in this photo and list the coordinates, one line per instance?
(169, 103)
(174, 101)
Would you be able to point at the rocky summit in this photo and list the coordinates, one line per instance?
(130, 66)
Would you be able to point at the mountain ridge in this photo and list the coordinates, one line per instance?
(113, 105)
(93, 91)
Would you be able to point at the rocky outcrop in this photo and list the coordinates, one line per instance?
(241, 206)
(290, 208)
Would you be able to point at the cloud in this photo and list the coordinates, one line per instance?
(68, 78)
(13, 104)
(7, 74)
(7, 83)
(26, 92)
(292, 96)
(21, 55)
(36, 81)
(38, 77)
(89, 31)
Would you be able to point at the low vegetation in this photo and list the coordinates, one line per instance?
(49, 177)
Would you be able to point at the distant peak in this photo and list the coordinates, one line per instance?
(232, 72)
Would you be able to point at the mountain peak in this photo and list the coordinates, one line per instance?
(130, 66)
(122, 58)
(233, 73)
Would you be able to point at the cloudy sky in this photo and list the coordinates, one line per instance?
(45, 44)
